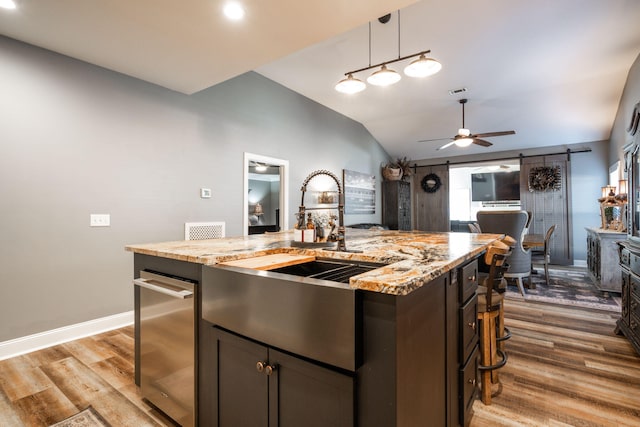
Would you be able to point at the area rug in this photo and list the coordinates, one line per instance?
(86, 418)
(567, 286)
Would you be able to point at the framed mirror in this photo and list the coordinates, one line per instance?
(266, 194)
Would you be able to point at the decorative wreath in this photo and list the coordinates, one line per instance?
(430, 183)
(544, 178)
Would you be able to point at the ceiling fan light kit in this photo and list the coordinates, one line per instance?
(420, 67)
(465, 138)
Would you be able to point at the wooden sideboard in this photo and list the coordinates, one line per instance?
(629, 322)
(603, 259)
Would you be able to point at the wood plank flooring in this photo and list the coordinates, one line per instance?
(47, 386)
(566, 368)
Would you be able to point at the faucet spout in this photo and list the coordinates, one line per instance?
(340, 237)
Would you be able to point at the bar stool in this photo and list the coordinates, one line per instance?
(491, 325)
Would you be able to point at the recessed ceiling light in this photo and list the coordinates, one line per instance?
(234, 11)
(7, 4)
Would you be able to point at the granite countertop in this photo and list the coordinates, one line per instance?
(411, 259)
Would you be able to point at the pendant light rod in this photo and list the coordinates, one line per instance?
(388, 62)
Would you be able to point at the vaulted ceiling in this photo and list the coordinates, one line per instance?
(553, 71)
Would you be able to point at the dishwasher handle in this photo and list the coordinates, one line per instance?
(182, 294)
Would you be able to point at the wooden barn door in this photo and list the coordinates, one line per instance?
(431, 209)
(550, 206)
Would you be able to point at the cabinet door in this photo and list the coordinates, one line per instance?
(242, 394)
(305, 394)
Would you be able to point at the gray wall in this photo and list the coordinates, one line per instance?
(630, 96)
(78, 139)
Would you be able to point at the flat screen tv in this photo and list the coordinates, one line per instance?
(495, 186)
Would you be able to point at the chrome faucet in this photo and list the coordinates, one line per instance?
(340, 235)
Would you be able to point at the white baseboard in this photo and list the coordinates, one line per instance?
(580, 262)
(22, 345)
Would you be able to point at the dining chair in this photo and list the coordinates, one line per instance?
(544, 256)
(511, 223)
(474, 227)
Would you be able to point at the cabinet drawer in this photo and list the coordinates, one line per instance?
(634, 291)
(468, 280)
(634, 263)
(634, 326)
(468, 387)
(468, 329)
(634, 306)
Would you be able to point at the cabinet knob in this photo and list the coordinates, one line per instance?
(260, 366)
(472, 381)
(269, 369)
(472, 278)
(472, 325)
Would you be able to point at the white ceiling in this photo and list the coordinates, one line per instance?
(551, 70)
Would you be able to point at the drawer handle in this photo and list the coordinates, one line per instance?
(472, 381)
(269, 369)
(260, 366)
(472, 278)
(472, 325)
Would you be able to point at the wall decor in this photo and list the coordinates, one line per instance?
(359, 192)
(543, 178)
(431, 183)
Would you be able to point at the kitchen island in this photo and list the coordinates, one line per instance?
(395, 346)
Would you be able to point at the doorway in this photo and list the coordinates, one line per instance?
(266, 194)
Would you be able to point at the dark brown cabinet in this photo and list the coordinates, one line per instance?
(260, 386)
(629, 322)
(462, 352)
(396, 205)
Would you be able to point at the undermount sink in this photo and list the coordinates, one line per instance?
(336, 271)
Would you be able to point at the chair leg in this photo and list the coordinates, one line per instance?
(486, 358)
(520, 284)
(546, 273)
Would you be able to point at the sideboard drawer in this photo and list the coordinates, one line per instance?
(634, 263)
(625, 257)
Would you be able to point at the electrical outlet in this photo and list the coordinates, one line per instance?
(100, 220)
(205, 193)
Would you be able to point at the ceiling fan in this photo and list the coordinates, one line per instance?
(464, 138)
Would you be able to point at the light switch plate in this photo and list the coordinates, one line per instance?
(100, 220)
(205, 193)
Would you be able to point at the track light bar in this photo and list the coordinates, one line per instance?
(388, 62)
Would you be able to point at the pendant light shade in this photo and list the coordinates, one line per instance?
(350, 85)
(384, 77)
(422, 67)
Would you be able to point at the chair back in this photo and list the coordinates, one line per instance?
(493, 282)
(511, 223)
(547, 238)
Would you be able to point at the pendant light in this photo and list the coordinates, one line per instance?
(384, 77)
(423, 66)
(350, 85)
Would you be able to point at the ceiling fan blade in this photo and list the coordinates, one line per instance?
(448, 144)
(482, 142)
(435, 139)
(490, 134)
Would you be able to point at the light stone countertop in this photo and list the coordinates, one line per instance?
(411, 259)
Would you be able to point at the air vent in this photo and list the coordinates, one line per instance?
(204, 230)
(457, 91)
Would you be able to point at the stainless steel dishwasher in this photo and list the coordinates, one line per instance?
(167, 350)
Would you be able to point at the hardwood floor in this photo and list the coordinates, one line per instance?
(47, 386)
(566, 368)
